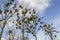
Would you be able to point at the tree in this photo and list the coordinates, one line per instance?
(49, 30)
(29, 23)
(27, 20)
(5, 17)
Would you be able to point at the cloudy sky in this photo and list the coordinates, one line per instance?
(50, 9)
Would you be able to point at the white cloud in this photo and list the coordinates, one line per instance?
(39, 4)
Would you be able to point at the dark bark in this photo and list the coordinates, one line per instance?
(23, 33)
(35, 37)
(51, 36)
(1, 33)
(2, 29)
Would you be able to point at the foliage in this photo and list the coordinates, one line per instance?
(26, 21)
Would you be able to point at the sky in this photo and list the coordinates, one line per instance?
(49, 9)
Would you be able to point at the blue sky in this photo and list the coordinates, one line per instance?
(52, 15)
(52, 12)
(50, 9)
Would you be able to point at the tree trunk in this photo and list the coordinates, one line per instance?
(1, 33)
(51, 36)
(35, 37)
(2, 29)
(23, 33)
